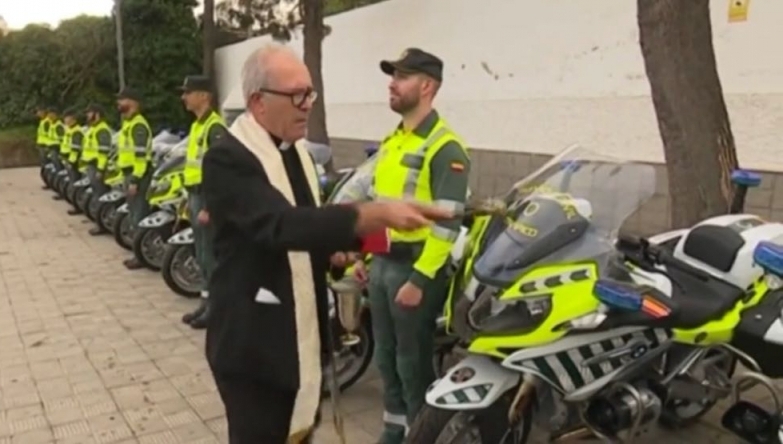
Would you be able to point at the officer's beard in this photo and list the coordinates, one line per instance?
(404, 105)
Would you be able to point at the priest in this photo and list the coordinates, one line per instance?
(268, 336)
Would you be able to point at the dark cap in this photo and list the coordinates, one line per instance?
(52, 109)
(129, 93)
(94, 108)
(70, 112)
(415, 60)
(196, 83)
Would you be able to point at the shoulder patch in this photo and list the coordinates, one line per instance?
(457, 166)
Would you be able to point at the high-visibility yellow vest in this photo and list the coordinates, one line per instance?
(54, 138)
(42, 135)
(197, 147)
(91, 150)
(66, 146)
(129, 155)
(403, 171)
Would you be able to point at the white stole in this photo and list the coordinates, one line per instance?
(258, 141)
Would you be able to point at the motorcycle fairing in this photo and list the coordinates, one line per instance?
(585, 362)
(476, 382)
(182, 237)
(112, 196)
(157, 219)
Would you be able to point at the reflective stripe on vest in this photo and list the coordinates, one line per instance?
(67, 141)
(55, 139)
(403, 172)
(198, 141)
(92, 150)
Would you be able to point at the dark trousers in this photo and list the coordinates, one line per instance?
(256, 412)
(203, 239)
(137, 205)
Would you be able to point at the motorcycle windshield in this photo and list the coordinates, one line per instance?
(568, 210)
(172, 163)
(355, 187)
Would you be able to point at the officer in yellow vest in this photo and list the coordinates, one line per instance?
(42, 136)
(97, 147)
(71, 145)
(424, 160)
(197, 98)
(134, 154)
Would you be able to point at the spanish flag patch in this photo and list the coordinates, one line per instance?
(457, 166)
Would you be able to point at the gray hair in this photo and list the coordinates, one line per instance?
(255, 71)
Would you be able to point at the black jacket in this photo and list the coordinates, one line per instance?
(255, 227)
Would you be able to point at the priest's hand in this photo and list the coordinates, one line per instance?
(409, 296)
(339, 260)
(403, 216)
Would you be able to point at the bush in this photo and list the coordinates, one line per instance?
(17, 147)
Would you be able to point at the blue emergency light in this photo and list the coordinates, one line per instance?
(745, 178)
(618, 296)
(769, 256)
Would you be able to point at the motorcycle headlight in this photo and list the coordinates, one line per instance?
(491, 315)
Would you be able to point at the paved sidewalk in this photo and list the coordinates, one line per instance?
(93, 353)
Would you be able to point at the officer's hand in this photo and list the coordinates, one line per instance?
(339, 260)
(132, 188)
(203, 217)
(360, 271)
(409, 296)
(98, 176)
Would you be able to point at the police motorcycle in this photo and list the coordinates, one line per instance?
(122, 228)
(168, 199)
(563, 331)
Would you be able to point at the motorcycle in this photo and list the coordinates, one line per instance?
(122, 227)
(585, 338)
(167, 197)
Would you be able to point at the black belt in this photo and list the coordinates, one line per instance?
(404, 251)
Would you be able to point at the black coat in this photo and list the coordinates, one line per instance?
(255, 226)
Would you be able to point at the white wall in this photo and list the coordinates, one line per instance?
(536, 76)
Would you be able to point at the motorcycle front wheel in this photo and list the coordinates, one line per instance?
(123, 231)
(149, 245)
(488, 426)
(107, 212)
(180, 270)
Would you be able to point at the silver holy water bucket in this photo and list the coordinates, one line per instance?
(348, 297)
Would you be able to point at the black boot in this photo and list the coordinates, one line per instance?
(57, 197)
(132, 264)
(187, 318)
(201, 321)
(97, 231)
(74, 211)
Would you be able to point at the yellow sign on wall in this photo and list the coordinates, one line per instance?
(738, 10)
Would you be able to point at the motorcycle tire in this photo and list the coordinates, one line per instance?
(70, 193)
(119, 229)
(141, 236)
(59, 184)
(492, 422)
(81, 199)
(367, 352)
(93, 207)
(173, 253)
(107, 212)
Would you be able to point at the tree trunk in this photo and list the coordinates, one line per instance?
(314, 32)
(208, 45)
(676, 43)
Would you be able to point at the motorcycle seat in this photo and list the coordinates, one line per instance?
(693, 303)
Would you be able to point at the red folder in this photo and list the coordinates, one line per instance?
(376, 243)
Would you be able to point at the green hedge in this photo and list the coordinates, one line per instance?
(17, 147)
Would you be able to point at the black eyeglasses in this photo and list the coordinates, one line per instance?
(298, 98)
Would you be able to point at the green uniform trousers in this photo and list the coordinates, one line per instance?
(404, 342)
(137, 205)
(202, 235)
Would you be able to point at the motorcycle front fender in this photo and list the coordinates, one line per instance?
(112, 196)
(474, 383)
(157, 219)
(124, 208)
(62, 172)
(83, 182)
(182, 237)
